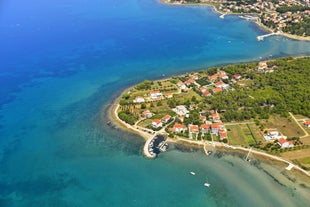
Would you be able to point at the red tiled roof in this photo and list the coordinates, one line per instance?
(157, 121)
(194, 128)
(167, 116)
(205, 126)
(282, 141)
(178, 126)
(216, 90)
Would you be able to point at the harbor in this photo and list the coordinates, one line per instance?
(155, 145)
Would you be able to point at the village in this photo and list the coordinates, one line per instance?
(289, 16)
(179, 107)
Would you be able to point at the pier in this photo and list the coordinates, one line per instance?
(222, 16)
(261, 37)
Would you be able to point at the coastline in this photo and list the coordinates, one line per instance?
(221, 147)
(263, 27)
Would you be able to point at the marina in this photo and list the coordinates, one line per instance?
(155, 145)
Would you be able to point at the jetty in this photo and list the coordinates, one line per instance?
(222, 16)
(261, 37)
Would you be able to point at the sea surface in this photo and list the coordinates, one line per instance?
(63, 62)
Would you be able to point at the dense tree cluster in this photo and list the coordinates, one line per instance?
(284, 90)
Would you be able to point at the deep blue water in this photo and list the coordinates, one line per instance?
(63, 62)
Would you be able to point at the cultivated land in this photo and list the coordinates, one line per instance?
(246, 105)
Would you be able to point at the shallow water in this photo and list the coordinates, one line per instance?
(62, 63)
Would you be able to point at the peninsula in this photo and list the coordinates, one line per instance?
(262, 107)
(280, 17)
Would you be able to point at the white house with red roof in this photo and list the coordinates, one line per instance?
(223, 75)
(156, 123)
(284, 143)
(181, 85)
(155, 94)
(219, 84)
(189, 81)
(217, 90)
(166, 118)
(147, 114)
(215, 127)
(139, 99)
(178, 128)
(205, 128)
(193, 129)
(215, 116)
(307, 123)
(206, 93)
(222, 133)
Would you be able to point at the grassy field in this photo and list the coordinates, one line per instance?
(285, 126)
(236, 135)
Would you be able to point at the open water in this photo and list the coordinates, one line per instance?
(62, 64)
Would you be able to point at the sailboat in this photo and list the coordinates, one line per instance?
(193, 173)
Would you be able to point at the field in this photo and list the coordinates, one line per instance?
(242, 134)
(286, 126)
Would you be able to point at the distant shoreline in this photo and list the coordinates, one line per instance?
(263, 27)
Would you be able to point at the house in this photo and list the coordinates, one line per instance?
(213, 77)
(307, 123)
(181, 110)
(215, 128)
(189, 81)
(284, 144)
(206, 93)
(139, 99)
(262, 66)
(169, 95)
(166, 118)
(193, 129)
(205, 128)
(155, 94)
(222, 133)
(219, 84)
(203, 118)
(237, 76)
(217, 90)
(223, 75)
(156, 123)
(181, 85)
(147, 114)
(178, 128)
(203, 89)
(215, 116)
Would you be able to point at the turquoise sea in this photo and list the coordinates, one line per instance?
(63, 62)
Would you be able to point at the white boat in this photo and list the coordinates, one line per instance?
(193, 173)
(206, 184)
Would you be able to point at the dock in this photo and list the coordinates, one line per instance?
(289, 167)
(261, 37)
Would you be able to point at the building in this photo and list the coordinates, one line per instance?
(166, 118)
(156, 123)
(237, 76)
(285, 144)
(156, 95)
(139, 99)
(307, 123)
(217, 90)
(193, 129)
(147, 114)
(181, 110)
(178, 128)
(205, 128)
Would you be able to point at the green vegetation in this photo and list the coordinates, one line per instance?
(286, 89)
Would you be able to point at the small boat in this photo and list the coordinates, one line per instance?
(206, 184)
(193, 173)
